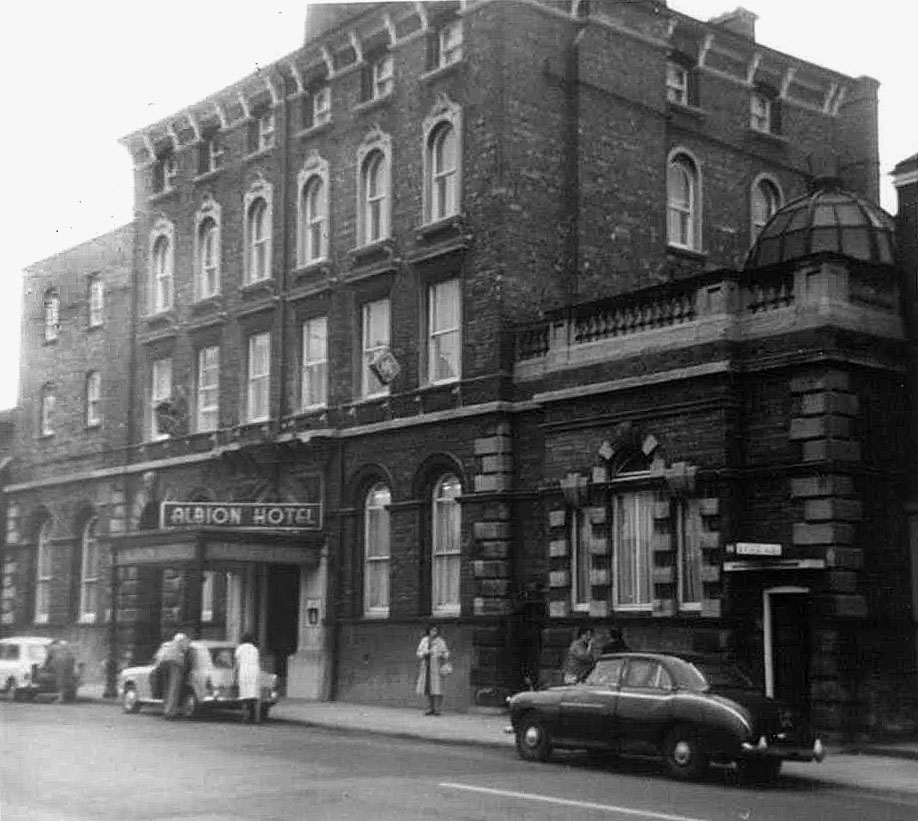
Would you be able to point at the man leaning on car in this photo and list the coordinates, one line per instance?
(171, 662)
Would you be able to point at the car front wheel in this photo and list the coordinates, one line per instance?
(130, 703)
(686, 758)
(533, 743)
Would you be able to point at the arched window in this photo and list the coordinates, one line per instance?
(376, 551)
(43, 573)
(52, 314)
(162, 274)
(47, 400)
(208, 258)
(315, 220)
(89, 572)
(683, 202)
(258, 235)
(446, 521)
(443, 147)
(766, 200)
(93, 399)
(374, 198)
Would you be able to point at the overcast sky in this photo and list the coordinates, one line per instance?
(79, 75)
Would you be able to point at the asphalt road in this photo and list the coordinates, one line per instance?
(90, 762)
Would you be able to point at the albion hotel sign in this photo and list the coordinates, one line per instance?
(249, 515)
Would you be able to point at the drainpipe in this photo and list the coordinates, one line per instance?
(571, 168)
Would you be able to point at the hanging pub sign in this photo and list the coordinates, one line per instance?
(248, 515)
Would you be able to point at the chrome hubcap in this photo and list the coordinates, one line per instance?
(682, 753)
(532, 736)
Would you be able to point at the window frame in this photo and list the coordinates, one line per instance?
(374, 152)
(642, 564)
(452, 554)
(688, 550)
(258, 381)
(93, 399)
(310, 364)
(578, 527)
(210, 153)
(208, 277)
(675, 90)
(208, 595)
(96, 301)
(320, 102)
(369, 349)
(204, 408)
(162, 277)
(87, 611)
(760, 184)
(44, 573)
(761, 111)
(376, 509)
(313, 173)
(449, 54)
(46, 410)
(266, 126)
(444, 118)
(382, 76)
(165, 364)
(689, 210)
(260, 194)
(435, 334)
(51, 315)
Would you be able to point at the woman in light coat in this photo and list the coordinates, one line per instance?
(248, 673)
(433, 654)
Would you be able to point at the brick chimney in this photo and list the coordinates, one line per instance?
(739, 21)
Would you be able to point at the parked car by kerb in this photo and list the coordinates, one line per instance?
(210, 683)
(691, 710)
(26, 673)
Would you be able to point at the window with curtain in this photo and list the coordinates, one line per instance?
(209, 261)
(258, 235)
(444, 350)
(632, 537)
(160, 391)
(375, 334)
(43, 574)
(93, 399)
(315, 363)
(89, 572)
(52, 315)
(374, 205)
(443, 184)
(96, 301)
(376, 551)
(259, 377)
(579, 544)
(446, 540)
(208, 392)
(162, 275)
(682, 203)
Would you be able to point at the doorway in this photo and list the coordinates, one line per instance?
(283, 606)
(787, 631)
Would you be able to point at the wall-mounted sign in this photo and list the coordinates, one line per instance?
(251, 515)
(754, 549)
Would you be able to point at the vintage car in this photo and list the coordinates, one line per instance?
(690, 709)
(210, 682)
(24, 669)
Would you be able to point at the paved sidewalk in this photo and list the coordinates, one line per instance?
(885, 768)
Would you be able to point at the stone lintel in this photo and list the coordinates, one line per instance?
(822, 485)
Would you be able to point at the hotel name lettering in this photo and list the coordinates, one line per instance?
(253, 515)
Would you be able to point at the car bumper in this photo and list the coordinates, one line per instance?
(235, 701)
(784, 752)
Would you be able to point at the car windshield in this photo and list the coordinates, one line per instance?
(222, 657)
(719, 674)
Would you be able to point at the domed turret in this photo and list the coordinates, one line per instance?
(827, 220)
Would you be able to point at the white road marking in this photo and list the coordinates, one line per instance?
(567, 802)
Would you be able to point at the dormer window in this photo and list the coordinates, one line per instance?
(165, 172)
(321, 105)
(450, 43)
(210, 156)
(760, 112)
(266, 132)
(378, 77)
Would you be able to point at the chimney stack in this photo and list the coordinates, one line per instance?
(739, 21)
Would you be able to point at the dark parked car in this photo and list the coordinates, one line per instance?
(690, 709)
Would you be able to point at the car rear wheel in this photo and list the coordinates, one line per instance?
(764, 771)
(533, 743)
(686, 758)
(189, 705)
(130, 702)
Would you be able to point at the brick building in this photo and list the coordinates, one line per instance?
(465, 285)
(63, 488)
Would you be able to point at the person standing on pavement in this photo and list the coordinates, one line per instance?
(248, 673)
(433, 656)
(61, 664)
(580, 657)
(172, 659)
